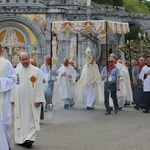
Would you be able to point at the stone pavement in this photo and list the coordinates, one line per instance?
(79, 129)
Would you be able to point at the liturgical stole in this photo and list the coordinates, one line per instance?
(3, 63)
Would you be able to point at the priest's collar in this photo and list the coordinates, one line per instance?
(148, 65)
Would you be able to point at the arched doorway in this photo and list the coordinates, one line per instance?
(17, 34)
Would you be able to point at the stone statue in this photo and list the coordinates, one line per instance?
(54, 46)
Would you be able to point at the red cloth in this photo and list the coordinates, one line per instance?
(111, 68)
(141, 66)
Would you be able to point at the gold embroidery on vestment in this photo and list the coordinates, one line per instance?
(33, 79)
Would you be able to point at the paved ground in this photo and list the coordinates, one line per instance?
(79, 129)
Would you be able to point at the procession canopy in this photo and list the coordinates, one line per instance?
(90, 26)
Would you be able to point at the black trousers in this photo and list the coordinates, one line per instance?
(113, 96)
(146, 100)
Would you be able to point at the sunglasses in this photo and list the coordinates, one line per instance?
(110, 61)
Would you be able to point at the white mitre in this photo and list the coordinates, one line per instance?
(88, 58)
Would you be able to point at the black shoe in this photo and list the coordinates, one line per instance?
(120, 108)
(116, 111)
(66, 106)
(146, 111)
(126, 104)
(111, 108)
(136, 107)
(108, 112)
(90, 108)
(28, 144)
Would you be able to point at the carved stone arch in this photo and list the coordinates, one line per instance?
(33, 27)
(19, 28)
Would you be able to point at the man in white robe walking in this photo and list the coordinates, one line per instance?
(7, 82)
(90, 86)
(145, 77)
(129, 96)
(66, 80)
(28, 95)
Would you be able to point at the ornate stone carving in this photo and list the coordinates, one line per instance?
(10, 38)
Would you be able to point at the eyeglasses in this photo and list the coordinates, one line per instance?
(110, 61)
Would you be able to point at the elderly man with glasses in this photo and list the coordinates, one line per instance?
(111, 76)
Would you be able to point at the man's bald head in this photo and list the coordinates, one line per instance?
(141, 61)
(112, 55)
(24, 59)
(65, 62)
(33, 62)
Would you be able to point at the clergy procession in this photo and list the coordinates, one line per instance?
(28, 90)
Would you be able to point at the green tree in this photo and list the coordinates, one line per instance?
(118, 2)
(134, 30)
(136, 6)
(109, 2)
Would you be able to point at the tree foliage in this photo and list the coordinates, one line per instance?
(136, 6)
(109, 2)
(139, 46)
(134, 30)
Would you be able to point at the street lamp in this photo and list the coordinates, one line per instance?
(141, 36)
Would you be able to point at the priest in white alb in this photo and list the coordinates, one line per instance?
(66, 79)
(7, 82)
(89, 88)
(27, 97)
(129, 96)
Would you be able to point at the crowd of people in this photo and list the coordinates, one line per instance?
(29, 90)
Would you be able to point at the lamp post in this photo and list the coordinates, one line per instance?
(130, 70)
(141, 36)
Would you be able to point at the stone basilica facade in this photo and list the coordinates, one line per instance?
(25, 25)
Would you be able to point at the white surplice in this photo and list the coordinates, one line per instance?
(25, 94)
(7, 82)
(66, 85)
(146, 81)
(90, 86)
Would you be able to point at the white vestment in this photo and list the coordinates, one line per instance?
(27, 92)
(66, 85)
(127, 82)
(7, 81)
(122, 92)
(90, 88)
(146, 81)
(123, 75)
